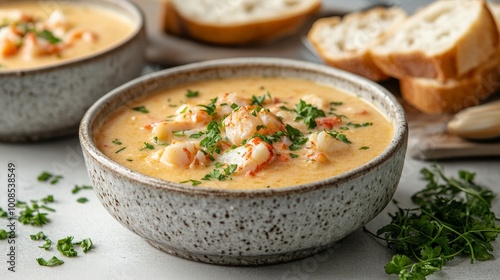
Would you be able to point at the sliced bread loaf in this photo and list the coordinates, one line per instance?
(344, 42)
(236, 22)
(444, 40)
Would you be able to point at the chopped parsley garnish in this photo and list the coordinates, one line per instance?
(86, 245)
(294, 155)
(117, 142)
(193, 182)
(31, 215)
(141, 109)
(65, 246)
(51, 262)
(336, 103)
(179, 133)
(213, 135)
(259, 100)
(48, 199)
(221, 172)
(3, 234)
(38, 236)
(47, 245)
(192, 93)
(364, 148)
(49, 36)
(308, 113)
(3, 213)
(339, 136)
(210, 108)
(121, 149)
(147, 146)
(196, 135)
(155, 139)
(234, 106)
(82, 200)
(77, 188)
(296, 137)
(358, 125)
(49, 177)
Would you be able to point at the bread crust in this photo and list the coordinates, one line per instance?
(235, 34)
(433, 97)
(471, 50)
(360, 61)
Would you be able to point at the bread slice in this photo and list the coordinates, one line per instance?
(344, 42)
(236, 22)
(444, 40)
(432, 96)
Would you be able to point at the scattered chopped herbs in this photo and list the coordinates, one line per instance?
(196, 135)
(38, 236)
(49, 177)
(234, 106)
(336, 103)
(82, 200)
(358, 125)
(155, 139)
(86, 244)
(119, 150)
(117, 142)
(31, 215)
(221, 172)
(3, 214)
(453, 217)
(210, 108)
(308, 113)
(193, 182)
(339, 136)
(364, 148)
(51, 262)
(129, 159)
(47, 245)
(3, 234)
(141, 109)
(48, 199)
(77, 188)
(179, 133)
(65, 246)
(49, 36)
(213, 135)
(294, 155)
(259, 127)
(191, 93)
(147, 146)
(259, 100)
(296, 137)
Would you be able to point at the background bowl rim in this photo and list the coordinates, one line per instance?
(138, 28)
(398, 141)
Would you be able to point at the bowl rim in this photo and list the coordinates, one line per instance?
(138, 28)
(398, 141)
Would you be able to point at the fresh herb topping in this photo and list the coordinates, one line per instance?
(179, 133)
(147, 146)
(65, 246)
(294, 155)
(82, 200)
(49, 177)
(156, 141)
(306, 112)
(31, 215)
(47, 245)
(336, 103)
(364, 148)
(38, 236)
(51, 262)
(3, 213)
(192, 93)
(210, 108)
(454, 218)
(86, 245)
(358, 125)
(213, 135)
(49, 36)
(339, 136)
(48, 199)
(77, 188)
(259, 100)
(193, 182)
(119, 150)
(296, 137)
(117, 142)
(141, 109)
(221, 172)
(3, 234)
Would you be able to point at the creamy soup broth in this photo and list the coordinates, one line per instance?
(352, 133)
(79, 30)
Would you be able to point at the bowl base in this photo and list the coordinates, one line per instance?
(240, 260)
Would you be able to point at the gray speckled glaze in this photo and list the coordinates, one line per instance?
(50, 101)
(245, 227)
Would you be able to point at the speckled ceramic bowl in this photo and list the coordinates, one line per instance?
(245, 227)
(50, 101)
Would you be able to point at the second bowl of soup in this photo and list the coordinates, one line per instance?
(245, 161)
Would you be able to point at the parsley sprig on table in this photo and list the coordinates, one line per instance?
(454, 218)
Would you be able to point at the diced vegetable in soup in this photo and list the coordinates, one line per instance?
(245, 133)
(42, 33)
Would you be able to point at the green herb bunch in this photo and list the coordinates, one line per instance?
(454, 218)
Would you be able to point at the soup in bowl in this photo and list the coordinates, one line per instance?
(58, 57)
(245, 161)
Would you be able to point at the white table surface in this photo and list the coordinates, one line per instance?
(120, 254)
